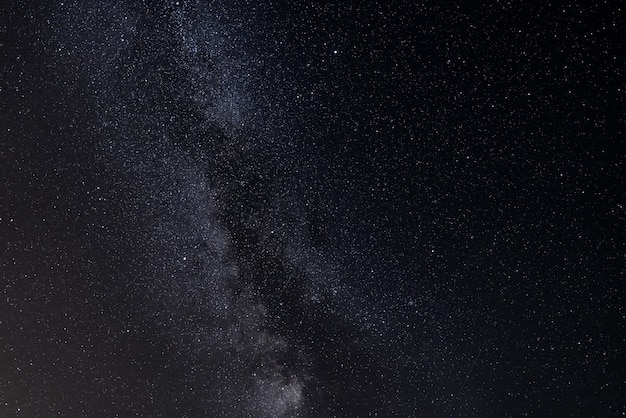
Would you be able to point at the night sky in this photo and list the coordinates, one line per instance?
(312, 209)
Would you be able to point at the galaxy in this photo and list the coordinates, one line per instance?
(215, 208)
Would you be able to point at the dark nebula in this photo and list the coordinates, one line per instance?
(312, 209)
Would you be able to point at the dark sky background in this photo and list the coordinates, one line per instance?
(312, 209)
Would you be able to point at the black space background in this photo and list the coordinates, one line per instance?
(405, 209)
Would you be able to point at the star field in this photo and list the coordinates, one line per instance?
(311, 209)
